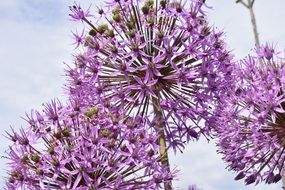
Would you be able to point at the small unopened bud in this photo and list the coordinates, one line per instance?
(35, 158)
(163, 4)
(57, 135)
(39, 172)
(205, 32)
(111, 163)
(51, 150)
(145, 9)
(105, 132)
(116, 11)
(135, 48)
(130, 25)
(149, 3)
(91, 112)
(114, 49)
(25, 159)
(111, 33)
(117, 18)
(132, 33)
(151, 21)
(160, 34)
(102, 28)
(55, 162)
(92, 32)
(65, 132)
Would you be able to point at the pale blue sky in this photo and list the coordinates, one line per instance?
(35, 40)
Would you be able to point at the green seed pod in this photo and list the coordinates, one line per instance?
(51, 150)
(130, 25)
(102, 28)
(111, 33)
(55, 162)
(36, 158)
(149, 3)
(105, 132)
(132, 33)
(65, 132)
(114, 49)
(25, 159)
(91, 112)
(151, 21)
(160, 34)
(117, 18)
(92, 32)
(145, 9)
(117, 10)
(57, 135)
(39, 172)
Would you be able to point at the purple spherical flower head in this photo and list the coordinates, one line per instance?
(158, 58)
(251, 123)
(85, 148)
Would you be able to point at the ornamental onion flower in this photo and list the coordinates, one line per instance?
(251, 123)
(159, 59)
(84, 148)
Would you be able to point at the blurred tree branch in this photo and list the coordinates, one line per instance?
(249, 6)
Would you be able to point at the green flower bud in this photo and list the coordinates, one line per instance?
(149, 3)
(116, 10)
(151, 21)
(145, 9)
(92, 187)
(57, 135)
(111, 33)
(39, 172)
(114, 49)
(91, 112)
(132, 33)
(105, 132)
(55, 162)
(51, 150)
(130, 25)
(102, 28)
(65, 132)
(25, 159)
(92, 32)
(160, 34)
(117, 18)
(36, 158)
(69, 147)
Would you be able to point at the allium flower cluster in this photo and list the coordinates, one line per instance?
(84, 148)
(153, 57)
(251, 123)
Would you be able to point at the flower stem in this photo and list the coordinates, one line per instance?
(253, 22)
(249, 6)
(161, 140)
